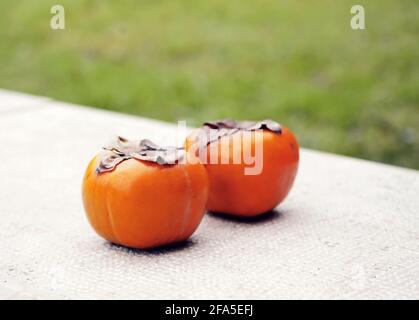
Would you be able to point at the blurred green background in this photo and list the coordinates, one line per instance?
(298, 62)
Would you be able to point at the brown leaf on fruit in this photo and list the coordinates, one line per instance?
(122, 149)
(221, 128)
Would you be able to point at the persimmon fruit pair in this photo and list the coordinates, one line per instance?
(140, 195)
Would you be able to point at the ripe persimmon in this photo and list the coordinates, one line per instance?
(139, 195)
(233, 188)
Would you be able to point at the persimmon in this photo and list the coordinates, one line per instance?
(140, 195)
(233, 188)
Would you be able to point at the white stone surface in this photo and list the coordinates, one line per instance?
(15, 102)
(349, 229)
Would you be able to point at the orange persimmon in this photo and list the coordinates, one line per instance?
(232, 190)
(140, 196)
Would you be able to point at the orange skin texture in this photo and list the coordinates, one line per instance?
(141, 204)
(232, 192)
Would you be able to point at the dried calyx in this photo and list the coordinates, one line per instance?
(123, 149)
(221, 128)
(244, 125)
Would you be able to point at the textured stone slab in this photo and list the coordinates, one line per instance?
(349, 229)
(16, 102)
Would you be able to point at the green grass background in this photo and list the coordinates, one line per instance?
(298, 62)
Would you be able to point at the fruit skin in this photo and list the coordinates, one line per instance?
(232, 192)
(142, 204)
